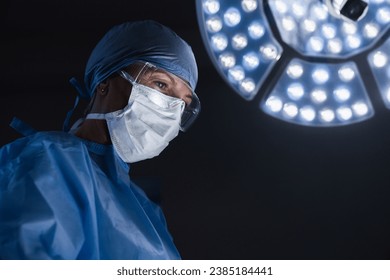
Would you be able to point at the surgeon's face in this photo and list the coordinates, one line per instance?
(161, 80)
(114, 94)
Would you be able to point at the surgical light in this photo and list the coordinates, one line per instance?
(240, 42)
(378, 60)
(302, 60)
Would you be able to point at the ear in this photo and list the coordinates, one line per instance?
(102, 88)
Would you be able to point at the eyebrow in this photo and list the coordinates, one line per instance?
(170, 76)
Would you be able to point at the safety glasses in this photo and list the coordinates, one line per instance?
(148, 72)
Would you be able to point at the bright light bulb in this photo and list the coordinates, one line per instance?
(249, 5)
(341, 94)
(335, 45)
(214, 24)
(316, 43)
(318, 96)
(269, 52)
(236, 73)
(239, 41)
(370, 30)
(274, 103)
(383, 15)
(211, 6)
(379, 59)
(227, 60)
(319, 11)
(288, 24)
(353, 41)
(329, 31)
(281, 6)
(256, 30)
(298, 9)
(307, 113)
(360, 108)
(344, 113)
(290, 110)
(295, 70)
(295, 91)
(346, 73)
(349, 28)
(327, 115)
(320, 75)
(309, 25)
(248, 85)
(251, 61)
(232, 17)
(219, 42)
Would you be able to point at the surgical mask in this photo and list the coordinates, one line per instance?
(144, 128)
(145, 75)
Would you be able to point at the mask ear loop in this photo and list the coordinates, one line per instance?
(124, 74)
(145, 67)
(127, 77)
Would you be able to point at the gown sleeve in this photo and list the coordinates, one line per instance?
(30, 223)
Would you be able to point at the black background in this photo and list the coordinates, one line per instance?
(239, 184)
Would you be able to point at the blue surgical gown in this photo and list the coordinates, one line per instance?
(62, 197)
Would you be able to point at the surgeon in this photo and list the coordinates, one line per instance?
(67, 194)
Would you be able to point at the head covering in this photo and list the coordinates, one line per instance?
(147, 41)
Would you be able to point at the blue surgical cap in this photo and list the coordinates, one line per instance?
(147, 41)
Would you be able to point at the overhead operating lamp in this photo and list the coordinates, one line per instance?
(307, 59)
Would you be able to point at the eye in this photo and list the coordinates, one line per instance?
(161, 85)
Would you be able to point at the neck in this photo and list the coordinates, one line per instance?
(95, 131)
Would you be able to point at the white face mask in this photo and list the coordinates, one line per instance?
(144, 128)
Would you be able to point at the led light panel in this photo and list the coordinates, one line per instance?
(379, 60)
(240, 42)
(309, 27)
(322, 85)
(319, 94)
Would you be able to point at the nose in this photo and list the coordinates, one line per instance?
(184, 92)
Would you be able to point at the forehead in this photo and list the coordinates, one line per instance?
(150, 71)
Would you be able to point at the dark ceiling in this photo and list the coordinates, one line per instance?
(239, 184)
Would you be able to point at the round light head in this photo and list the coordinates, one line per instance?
(321, 82)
